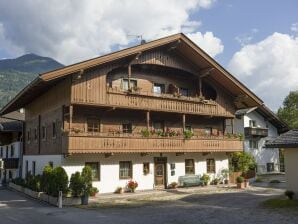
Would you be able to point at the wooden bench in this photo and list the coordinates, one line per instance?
(189, 180)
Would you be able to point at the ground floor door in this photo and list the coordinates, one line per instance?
(160, 177)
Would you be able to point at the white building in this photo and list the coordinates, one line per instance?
(10, 146)
(259, 125)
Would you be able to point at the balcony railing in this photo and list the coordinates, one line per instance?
(254, 131)
(83, 143)
(165, 102)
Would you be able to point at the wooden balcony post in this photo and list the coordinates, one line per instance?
(148, 119)
(232, 124)
(200, 85)
(129, 75)
(70, 117)
(183, 122)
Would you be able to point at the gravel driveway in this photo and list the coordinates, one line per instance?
(223, 206)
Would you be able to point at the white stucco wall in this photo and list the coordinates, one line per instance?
(40, 162)
(262, 155)
(109, 167)
(291, 165)
(7, 154)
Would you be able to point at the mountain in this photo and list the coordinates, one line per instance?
(16, 73)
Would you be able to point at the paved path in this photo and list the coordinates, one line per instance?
(230, 207)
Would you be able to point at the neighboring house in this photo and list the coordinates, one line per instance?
(130, 115)
(258, 125)
(289, 143)
(10, 145)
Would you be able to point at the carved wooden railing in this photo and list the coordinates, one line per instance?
(82, 143)
(164, 102)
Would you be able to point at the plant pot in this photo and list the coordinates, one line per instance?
(84, 199)
(246, 183)
(240, 185)
(226, 182)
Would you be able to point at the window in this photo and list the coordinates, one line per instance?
(51, 164)
(158, 88)
(133, 84)
(6, 152)
(95, 170)
(210, 166)
(158, 125)
(189, 166)
(10, 174)
(93, 125)
(125, 170)
(208, 131)
(184, 92)
(33, 167)
(29, 135)
(54, 131)
(43, 132)
(252, 123)
(26, 169)
(35, 134)
(146, 168)
(127, 128)
(1, 152)
(11, 150)
(253, 144)
(270, 167)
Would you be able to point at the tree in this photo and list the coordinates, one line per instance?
(289, 112)
(242, 162)
(76, 184)
(87, 180)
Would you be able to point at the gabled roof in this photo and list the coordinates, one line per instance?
(267, 114)
(184, 46)
(286, 140)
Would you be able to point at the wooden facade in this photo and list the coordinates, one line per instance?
(137, 89)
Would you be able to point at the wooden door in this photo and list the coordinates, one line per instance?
(159, 174)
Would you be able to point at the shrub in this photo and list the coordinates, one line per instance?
(173, 185)
(187, 134)
(19, 181)
(145, 133)
(215, 181)
(242, 162)
(119, 190)
(46, 182)
(132, 185)
(76, 184)
(93, 191)
(59, 182)
(258, 180)
(289, 194)
(205, 179)
(239, 180)
(86, 180)
(34, 183)
(274, 182)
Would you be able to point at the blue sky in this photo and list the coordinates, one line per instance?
(257, 41)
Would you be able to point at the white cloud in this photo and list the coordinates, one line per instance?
(244, 39)
(269, 67)
(208, 42)
(74, 30)
(294, 27)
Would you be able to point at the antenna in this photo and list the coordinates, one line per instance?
(137, 36)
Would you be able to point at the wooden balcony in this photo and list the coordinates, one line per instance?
(255, 132)
(83, 143)
(165, 102)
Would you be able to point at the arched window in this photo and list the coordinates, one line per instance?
(208, 91)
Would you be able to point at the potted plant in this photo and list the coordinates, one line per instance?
(225, 173)
(76, 184)
(173, 185)
(132, 185)
(187, 134)
(86, 184)
(240, 182)
(119, 190)
(93, 191)
(205, 179)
